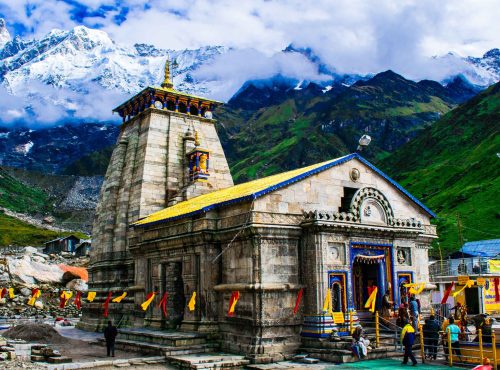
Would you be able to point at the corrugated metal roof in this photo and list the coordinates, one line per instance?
(483, 248)
(255, 189)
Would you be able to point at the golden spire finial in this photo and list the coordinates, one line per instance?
(167, 83)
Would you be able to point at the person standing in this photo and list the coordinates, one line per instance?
(414, 313)
(431, 337)
(387, 304)
(110, 334)
(407, 340)
(454, 331)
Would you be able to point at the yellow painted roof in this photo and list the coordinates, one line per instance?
(241, 192)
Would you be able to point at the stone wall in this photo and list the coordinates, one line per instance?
(147, 172)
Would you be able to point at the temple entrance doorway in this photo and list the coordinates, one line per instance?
(366, 278)
(176, 301)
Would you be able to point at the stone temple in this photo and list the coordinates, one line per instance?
(171, 220)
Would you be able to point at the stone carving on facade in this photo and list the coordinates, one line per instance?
(336, 253)
(403, 256)
(354, 174)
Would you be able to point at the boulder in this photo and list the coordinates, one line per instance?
(78, 284)
(39, 305)
(28, 271)
(25, 292)
(69, 276)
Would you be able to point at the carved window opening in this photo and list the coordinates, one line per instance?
(345, 201)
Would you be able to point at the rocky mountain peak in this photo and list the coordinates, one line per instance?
(4, 33)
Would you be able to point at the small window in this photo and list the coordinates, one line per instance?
(345, 202)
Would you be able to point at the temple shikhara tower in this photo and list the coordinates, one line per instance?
(170, 220)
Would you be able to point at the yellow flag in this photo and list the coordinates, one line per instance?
(371, 300)
(192, 302)
(91, 296)
(147, 302)
(33, 298)
(327, 304)
(11, 293)
(120, 298)
(468, 284)
(67, 295)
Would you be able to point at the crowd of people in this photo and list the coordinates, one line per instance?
(436, 334)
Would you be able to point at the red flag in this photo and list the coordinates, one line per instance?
(106, 304)
(62, 301)
(447, 293)
(163, 304)
(297, 302)
(497, 293)
(3, 292)
(78, 300)
(232, 303)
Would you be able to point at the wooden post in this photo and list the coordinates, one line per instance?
(351, 322)
(422, 350)
(377, 330)
(450, 354)
(494, 349)
(481, 351)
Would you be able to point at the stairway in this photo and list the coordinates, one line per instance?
(340, 351)
(158, 342)
(205, 361)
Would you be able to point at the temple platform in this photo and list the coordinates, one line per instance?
(161, 342)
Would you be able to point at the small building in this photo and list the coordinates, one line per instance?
(83, 248)
(478, 261)
(66, 244)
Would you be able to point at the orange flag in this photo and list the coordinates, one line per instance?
(163, 304)
(147, 302)
(297, 302)
(3, 292)
(106, 304)
(370, 303)
(235, 296)
(78, 300)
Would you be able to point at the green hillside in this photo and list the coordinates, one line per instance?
(18, 197)
(454, 168)
(91, 164)
(301, 127)
(16, 232)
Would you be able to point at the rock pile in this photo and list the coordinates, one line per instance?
(27, 268)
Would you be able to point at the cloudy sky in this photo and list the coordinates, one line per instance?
(350, 36)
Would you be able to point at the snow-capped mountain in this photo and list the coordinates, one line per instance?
(4, 34)
(68, 58)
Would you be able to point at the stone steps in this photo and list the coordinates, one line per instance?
(344, 355)
(167, 338)
(208, 361)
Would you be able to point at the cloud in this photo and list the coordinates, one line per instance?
(46, 105)
(230, 70)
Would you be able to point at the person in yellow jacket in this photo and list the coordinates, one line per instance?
(407, 340)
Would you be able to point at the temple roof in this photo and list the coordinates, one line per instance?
(255, 189)
(481, 248)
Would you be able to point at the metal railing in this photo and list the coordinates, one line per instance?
(460, 266)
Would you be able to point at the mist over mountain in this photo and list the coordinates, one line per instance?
(79, 75)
